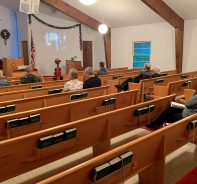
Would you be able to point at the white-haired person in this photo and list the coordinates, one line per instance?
(3, 80)
(73, 83)
(91, 80)
(156, 71)
(29, 77)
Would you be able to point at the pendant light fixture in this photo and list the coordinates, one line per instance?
(87, 2)
(103, 27)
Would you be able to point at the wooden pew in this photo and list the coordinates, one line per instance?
(148, 160)
(103, 90)
(50, 100)
(95, 132)
(114, 69)
(176, 87)
(146, 86)
(188, 93)
(117, 81)
(28, 86)
(66, 112)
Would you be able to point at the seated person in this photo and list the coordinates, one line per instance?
(29, 77)
(3, 80)
(103, 70)
(145, 74)
(73, 83)
(91, 80)
(172, 114)
(156, 71)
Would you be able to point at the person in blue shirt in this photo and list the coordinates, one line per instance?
(3, 80)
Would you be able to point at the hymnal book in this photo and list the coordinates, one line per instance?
(145, 110)
(71, 133)
(115, 164)
(34, 118)
(79, 95)
(10, 108)
(183, 76)
(12, 123)
(39, 86)
(112, 100)
(177, 105)
(58, 90)
(138, 112)
(51, 91)
(45, 141)
(61, 89)
(164, 74)
(151, 108)
(73, 96)
(84, 94)
(191, 125)
(100, 172)
(23, 121)
(2, 109)
(126, 158)
(58, 137)
(187, 83)
(34, 87)
(106, 102)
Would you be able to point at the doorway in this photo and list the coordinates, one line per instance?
(87, 53)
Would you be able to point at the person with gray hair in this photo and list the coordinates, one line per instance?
(73, 83)
(3, 80)
(29, 77)
(145, 74)
(91, 80)
(156, 71)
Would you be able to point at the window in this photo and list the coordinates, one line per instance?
(141, 53)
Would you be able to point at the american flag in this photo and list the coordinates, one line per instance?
(32, 52)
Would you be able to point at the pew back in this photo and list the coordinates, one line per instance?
(28, 86)
(150, 166)
(93, 132)
(66, 113)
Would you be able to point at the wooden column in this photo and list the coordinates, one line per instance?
(179, 49)
(107, 43)
(163, 10)
(85, 19)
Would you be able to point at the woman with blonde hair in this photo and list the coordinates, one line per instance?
(3, 80)
(73, 83)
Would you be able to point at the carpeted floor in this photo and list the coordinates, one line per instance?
(190, 178)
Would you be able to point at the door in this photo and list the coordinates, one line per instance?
(25, 52)
(87, 53)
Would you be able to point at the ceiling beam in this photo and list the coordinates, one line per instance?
(85, 19)
(173, 19)
(165, 12)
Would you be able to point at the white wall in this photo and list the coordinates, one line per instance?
(7, 21)
(190, 46)
(22, 30)
(45, 59)
(161, 35)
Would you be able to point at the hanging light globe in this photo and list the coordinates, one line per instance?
(87, 2)
(103, 29)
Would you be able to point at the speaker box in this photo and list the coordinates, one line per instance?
(29, 6)
(35, 6)
(25, 6)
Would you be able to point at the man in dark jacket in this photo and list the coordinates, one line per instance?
(145, 74)
(29, 77)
